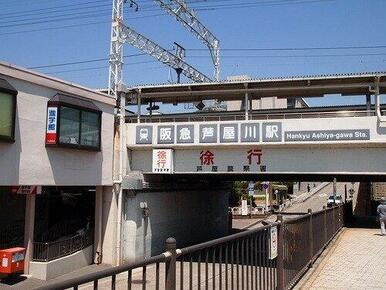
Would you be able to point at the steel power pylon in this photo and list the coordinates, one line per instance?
(179, 9)
(120, 33)
(161, 54)
(116, 50)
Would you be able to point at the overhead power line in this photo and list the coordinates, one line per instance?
(82, 62)
(205, 56)
(296, 48)
(207, 7)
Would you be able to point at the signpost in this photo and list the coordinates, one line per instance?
(251, 188)
(244, 207)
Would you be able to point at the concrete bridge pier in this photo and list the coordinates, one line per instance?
(191, 213)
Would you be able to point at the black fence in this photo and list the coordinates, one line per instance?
(241, 261)
(12, 235)
(48, 251)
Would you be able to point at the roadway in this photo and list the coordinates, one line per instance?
(314, 201)
(319, 199)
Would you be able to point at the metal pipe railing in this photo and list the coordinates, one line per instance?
(229, 116)
(246, 260)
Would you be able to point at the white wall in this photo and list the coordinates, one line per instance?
(61, 266)
(28, 162)
(277, 160)
(190, 216)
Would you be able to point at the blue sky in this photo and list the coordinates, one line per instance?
(48, 32)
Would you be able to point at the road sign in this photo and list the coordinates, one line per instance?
(251, 188)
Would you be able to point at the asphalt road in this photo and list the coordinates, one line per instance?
(315, 202)
(319, 199)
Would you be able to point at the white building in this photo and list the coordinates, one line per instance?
(56, 144)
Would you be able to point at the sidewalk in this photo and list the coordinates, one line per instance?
(356, 261)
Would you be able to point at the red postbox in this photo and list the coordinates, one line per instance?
(12, 260)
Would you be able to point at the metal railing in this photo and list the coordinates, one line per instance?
(12, 235)
(48, 251)
(304, 239)
(239, 261)
(240, 116)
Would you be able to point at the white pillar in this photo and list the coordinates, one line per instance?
(109, 213)
(29, 229)
(246, 104)
(139, 108)
(98, 225)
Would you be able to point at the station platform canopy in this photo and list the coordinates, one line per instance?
(304, 86)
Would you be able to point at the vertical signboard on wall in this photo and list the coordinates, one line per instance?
(52, 122)
(273, 243)
(163, 161)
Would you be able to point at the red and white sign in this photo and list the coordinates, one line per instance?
(163, 160)
(273, 243)
(27, 189)
(52, 121)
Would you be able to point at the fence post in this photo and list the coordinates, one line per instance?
(333, 220)
(230, 220)
(310, 236)
(280, 253)
(170, 270)
(325, 224)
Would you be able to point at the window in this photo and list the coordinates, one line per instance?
(78, 123)
(7, 111)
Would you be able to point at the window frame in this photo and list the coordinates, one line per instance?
(58, 105)
(13, 93)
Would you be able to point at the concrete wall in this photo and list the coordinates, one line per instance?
(61, 266)
(190, 216)
(28, 162)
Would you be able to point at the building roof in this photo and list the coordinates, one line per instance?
(10, 70)
(297, 86)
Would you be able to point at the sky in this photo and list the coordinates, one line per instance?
(260, 38)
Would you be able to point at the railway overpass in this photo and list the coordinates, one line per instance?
(314, 146)
(176, 166)
(348, 141)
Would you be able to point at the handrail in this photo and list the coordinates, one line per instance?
(90, 277)
(229, 116)
(223, 240)
(299, 243)
(48, 251)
